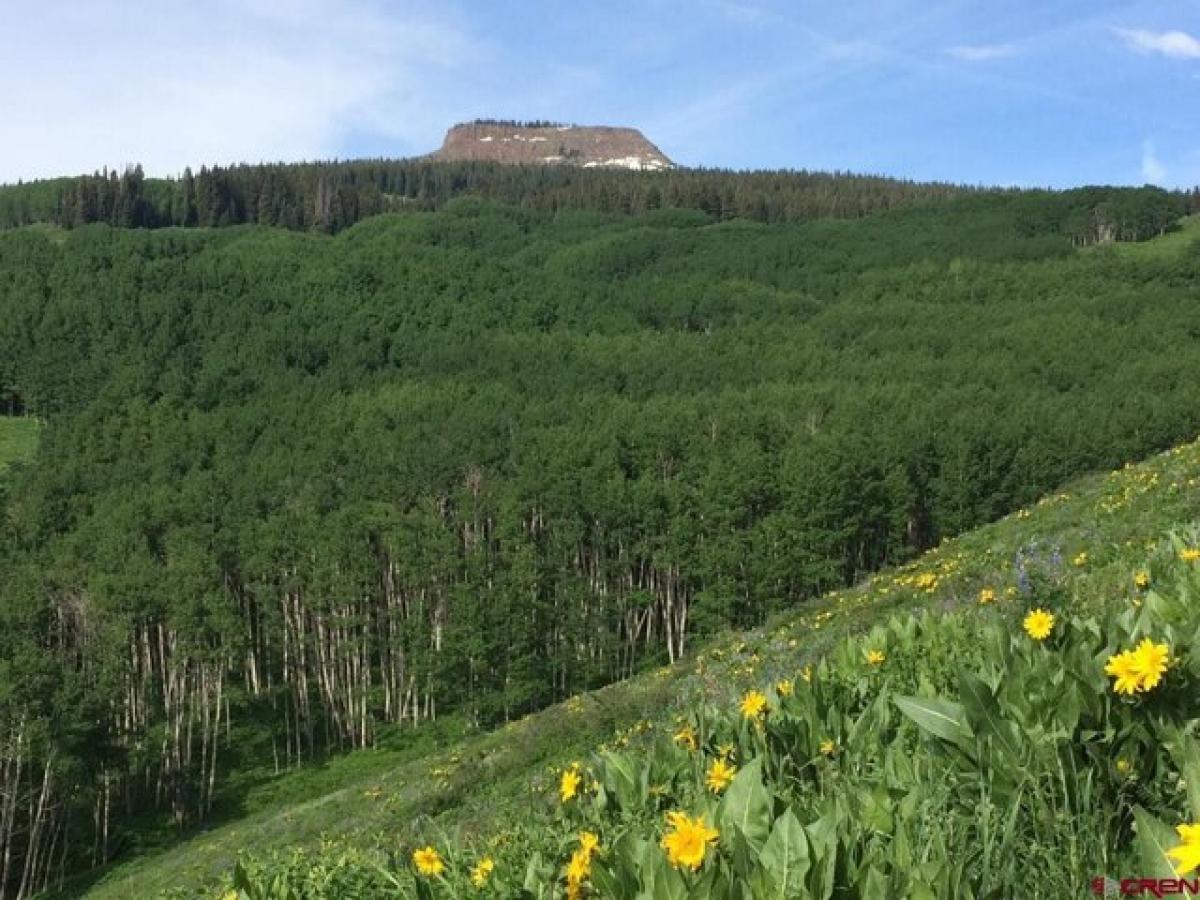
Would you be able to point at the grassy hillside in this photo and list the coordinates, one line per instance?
(1076, 552)
(18, 440)
(1185, 239)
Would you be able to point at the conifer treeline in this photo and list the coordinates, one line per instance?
(296, 490)
(332, 196)
(519, 123)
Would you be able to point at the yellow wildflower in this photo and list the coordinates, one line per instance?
(1123, 668)
(688, 840)
(568, 786)
(1190, 554)
(754, 705)
(578, 870)
(806, 674)
(686, 737)
(875, 657)
(987, 595)
(1141, 580)
(720, 774)
(1081, 559)
(589, 842)
(1187, 854)
(1124, 766)
(1150, 663)
(1038, 624)
(785, 687)
(828, 747)
(725, 751)
(482, 871)
(428, 862)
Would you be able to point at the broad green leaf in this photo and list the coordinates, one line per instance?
(666, 882)
(823, 843)
(606, 884)
(1068, 708)
(537, 874)
(711, 884)
(983, 710)
(622, 861)
(941, 718)
(875, 809)
(875, 886)
(1186, 753)
(746, 806)
(626, 778)
(785, 855)
(1154, 839)
(742, 855)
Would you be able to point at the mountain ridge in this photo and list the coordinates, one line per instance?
(541, 143)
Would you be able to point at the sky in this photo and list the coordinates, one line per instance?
(1006, 92)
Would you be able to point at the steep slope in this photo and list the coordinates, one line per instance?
(1076, 550)
(767, 410)
(577, 145)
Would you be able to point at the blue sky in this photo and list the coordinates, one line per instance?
(1030, 92)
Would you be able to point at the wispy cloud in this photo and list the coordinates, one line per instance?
(982, 52)
(1172, 44)
(235, 81)
(1153, 170)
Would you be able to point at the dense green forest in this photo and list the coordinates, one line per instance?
(331, 196)
(294, 490)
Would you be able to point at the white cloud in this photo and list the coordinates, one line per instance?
(1173, 44)
(172, 83)
(1153, 171)
(982, 52)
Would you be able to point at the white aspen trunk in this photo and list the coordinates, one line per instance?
(9, 803)
(37, 824)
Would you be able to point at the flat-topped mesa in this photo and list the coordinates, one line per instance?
(549, 144)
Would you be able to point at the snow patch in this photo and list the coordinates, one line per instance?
(625, 162)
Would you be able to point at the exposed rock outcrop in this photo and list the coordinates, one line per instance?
(579, 145)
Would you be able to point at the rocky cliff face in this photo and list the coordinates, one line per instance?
(578, 145)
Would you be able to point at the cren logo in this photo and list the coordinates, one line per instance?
(1146, 887)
